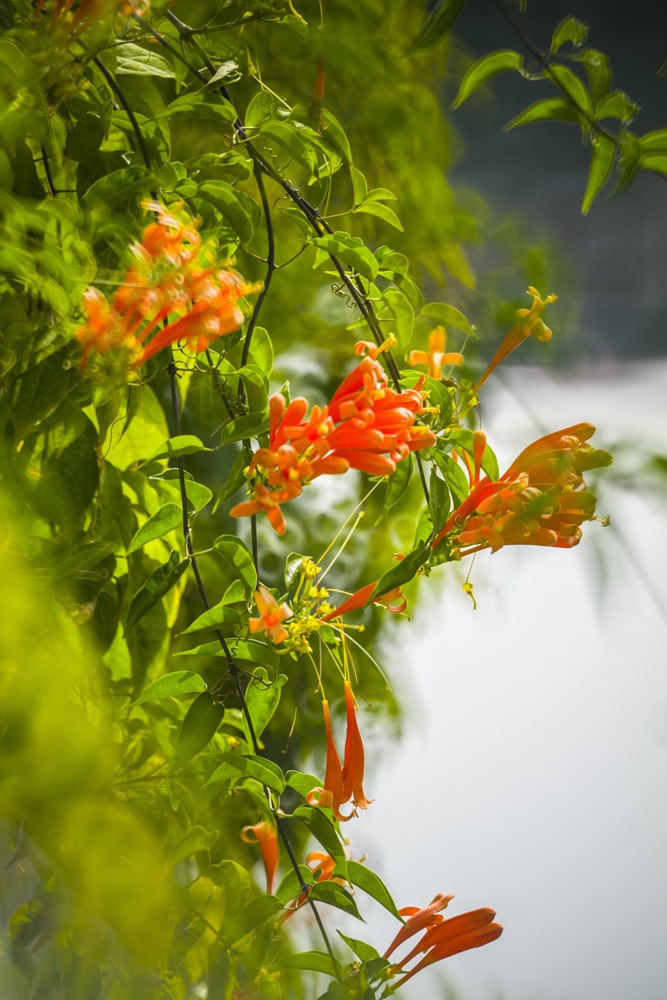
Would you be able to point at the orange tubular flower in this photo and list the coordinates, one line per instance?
(529, 322)
(418, 920)
(333, 777)
(269, 502)
(272, 614)
(353, 766)
(449, 937)
(435, 356)
(538, 501)
(264, 834)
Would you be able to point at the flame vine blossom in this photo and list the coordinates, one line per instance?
(540, 500)
(167, 295)
(442, 937)
(366, 426)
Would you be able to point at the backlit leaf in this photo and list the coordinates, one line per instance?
(485, 69)
(396, 486)
(157, 585)
(448, 316)
(549, 109)
(437, 24)
(367, 880)
(238, 560)
(199, 726)
(251, 916)
(161, 523)
(603, 153)
(235, 765)
(262, 698)
(569, 30)
(178, 682)
(335, 895)
(401, 572)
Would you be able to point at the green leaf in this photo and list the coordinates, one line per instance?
(184, 444)
(454, 477)
(292, 140)
(549, 109)
(260, 108)
(119, 185)
(246, 650)
(485, 69)
(238, 560)
(359, 185)
(363, 951)
(396, 487)
(79, 559)
(333, 131)
(252, 915)
(236, 478)
(233, 205)
(323, 831)
(134, 60)
(438, 502)
(401, 572)
(157, 585)
(437, 24)
(569, 30)
(248, 426)
(603, 153)
(335, 895)
(654, 141)
(175, 683)
(215, 617)
(290, 887)
(293, 565)
(195, 840)
(37, 392)
(572, 84)
(195, 493)
(351, 250)
(302, 782)
(199, 106)
(654, 161)
(616, 105)
(382, 212)
(404, 316)
(448, 316)
(233, 765)
(464, 439)
(315, 961)
(69, 481)
(598, 71)
(161, 523)
(367, 880)
(262, 699)
(199, 726)
(227, 71)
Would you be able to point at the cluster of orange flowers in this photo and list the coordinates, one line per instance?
(540, 500)
(166, 296)
(367, 426)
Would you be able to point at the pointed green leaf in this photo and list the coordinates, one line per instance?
(654, 141)
(439, 500)
(485, 69)
(252, 915)
(616, 105)
(448, 316)
(290, 887)
(302, 782)
(235, 765)
(157, 585)
(396, 487)
(238, 560)
(315, 961)
(454, 477)
(335, 895)
(654, 161)
(262, 699)
(244, 650)
(323, 831)
(199, 106)
(233, 205)
(161, 523)
(119, 185)
(184, 444)
(572, 84)
(404, 316)
(199, 726)
(363, 951)
(437, 25)
(195, 840)
(367, 880)
(603, 154)
(569, 30)
(132, 59)
(382, 212)
(359, 185)
(351, 250)
(215, 617)
(79, 559)
(549, 109)
(175, 683)
(401, 572)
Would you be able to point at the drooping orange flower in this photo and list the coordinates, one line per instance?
(269, 501)
(540, 500)
(272, 614)
(333, 776)
(353, 764)
(529, 322)
(445, 938)
(435, 357)
(264, 834)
